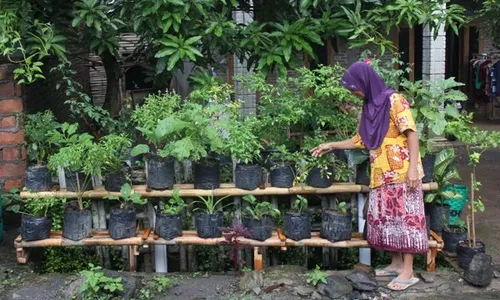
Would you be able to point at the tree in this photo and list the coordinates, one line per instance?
(201, 31)
(488, 14)
(98, 25)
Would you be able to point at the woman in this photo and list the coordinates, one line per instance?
(396, 218)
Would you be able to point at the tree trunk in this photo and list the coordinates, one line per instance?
(112, 101)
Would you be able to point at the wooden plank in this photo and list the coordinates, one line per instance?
(330, 53)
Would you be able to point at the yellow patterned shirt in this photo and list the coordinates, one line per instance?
(390, 162)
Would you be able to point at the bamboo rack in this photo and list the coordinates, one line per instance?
(188, 190)
(189, 237)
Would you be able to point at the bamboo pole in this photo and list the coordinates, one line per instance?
(325, 250)
(472, 203)
(190, 238)
(187, 191)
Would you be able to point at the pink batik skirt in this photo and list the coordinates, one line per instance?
(396, 219)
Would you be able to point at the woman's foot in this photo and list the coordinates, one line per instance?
(404, 280)
(387, 272)
(394, 268)
(391, 270)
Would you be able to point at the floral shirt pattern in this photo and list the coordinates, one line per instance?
(390, 162)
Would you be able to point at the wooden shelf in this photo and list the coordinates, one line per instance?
(190, 238)
(188, 190)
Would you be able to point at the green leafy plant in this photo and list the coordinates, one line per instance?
(174, 205)
(98, 119)
(243, 143)
(257, 210)
(108, 156)
(209, 204)
(342, 207)
(459, 226)
(96, 285)
(300, 204)
(73, 155)
(476, 142)
(66, 259)
(154, 287)
(127, 197)
(41, 207)
(427, 100)
(27, 41)
(246, 269)
(316, 276)
(36, 126)
(444, 172)
(385, 68)
(156, 107)
(329, 165)
(11, 201)
(194, 132)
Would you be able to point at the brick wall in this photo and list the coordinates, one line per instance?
(12, 154)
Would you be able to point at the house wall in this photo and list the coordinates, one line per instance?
(12, 153)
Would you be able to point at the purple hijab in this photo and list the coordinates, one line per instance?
(376, 107)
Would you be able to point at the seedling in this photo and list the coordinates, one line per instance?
(127, 198)
(342, 208)
(174, 205)
(316, 276)
(96, 285)
(257, 210)
(300, 204)
(209, 203)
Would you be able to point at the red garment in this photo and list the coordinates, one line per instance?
(396, 219)
(483, 73)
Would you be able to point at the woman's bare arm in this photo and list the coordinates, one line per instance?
(328, 147)
(413, 148)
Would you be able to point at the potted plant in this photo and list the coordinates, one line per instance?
(168, 217)
(36, 216)
(37, 176)
(360, 158)
(122, 218)
(198, 137)
(453, 235)
(444, 172)
(108, 157)
(259, 218)
(336, 224)
(160, 165)
(245, 148)
(209, 219)
(476, 142)
(73, 157)
(298, 220)
(428, 100)
(282, 164)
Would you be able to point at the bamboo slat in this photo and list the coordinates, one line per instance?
(190, 238)
(187, 190)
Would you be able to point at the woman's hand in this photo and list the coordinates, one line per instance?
(412, 178)
(321, 149)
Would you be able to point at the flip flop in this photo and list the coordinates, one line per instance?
(385, 272)
(405, 283)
